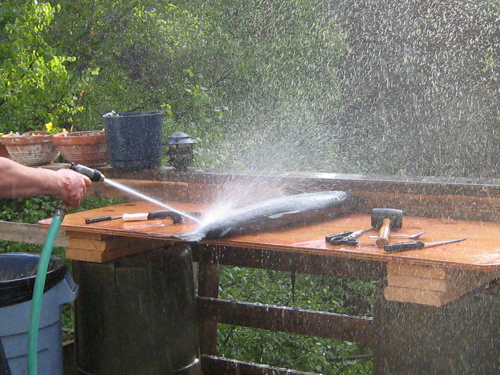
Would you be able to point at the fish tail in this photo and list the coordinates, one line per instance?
(190, 236)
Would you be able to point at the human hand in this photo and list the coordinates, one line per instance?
(74, 186)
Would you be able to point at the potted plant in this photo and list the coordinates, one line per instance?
(39, 84)
(31, 148)
(83, 147)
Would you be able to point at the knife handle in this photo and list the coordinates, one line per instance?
(97, 219)
(397, 247)
(165, 214)
(135, 217)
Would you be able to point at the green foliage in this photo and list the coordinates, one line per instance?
(149, 55)
(291, 351)
(27, 210)
(35, 84)
(211, 68)
(320, 293)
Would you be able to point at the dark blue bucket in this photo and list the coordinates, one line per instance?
(134, 139)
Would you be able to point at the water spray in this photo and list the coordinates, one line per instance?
(97, 176)
(36, 305)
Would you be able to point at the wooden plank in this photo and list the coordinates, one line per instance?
(453, 288)
(105, 256)
(208, 286)
(438, 285)
(285, 319)
(212, 365)
(430, 285)
(170, 190)
(457, 207)
(455, 279)
(422, 297)
(478, 253)
(288, 261)
(99, 245)
(254, 192)
(417, 271)
(29, 233)
(88, 235)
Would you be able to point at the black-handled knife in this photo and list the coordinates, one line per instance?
(101, 218)
(416, 245)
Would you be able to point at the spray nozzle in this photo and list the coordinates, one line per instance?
(91, 173)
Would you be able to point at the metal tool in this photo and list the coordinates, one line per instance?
(101, 218)
(160, 214)
(385, 219)
(346, 238)
(399, 235)
(417, 245)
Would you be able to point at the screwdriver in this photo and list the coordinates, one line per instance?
(417, 245)
(161, 214)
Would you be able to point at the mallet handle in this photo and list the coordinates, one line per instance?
(384, 233)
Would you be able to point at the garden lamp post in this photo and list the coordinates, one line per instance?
(181, 150)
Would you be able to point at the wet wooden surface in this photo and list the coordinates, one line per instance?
(480, 252)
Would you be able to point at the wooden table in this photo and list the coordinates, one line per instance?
(432, 276)
(436, 279)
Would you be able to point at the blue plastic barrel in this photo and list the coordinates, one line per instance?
(17, 278)
(134, 139)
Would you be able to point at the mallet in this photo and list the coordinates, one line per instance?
(385, 219)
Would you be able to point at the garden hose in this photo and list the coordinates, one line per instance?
(43, 265)
(41, 275)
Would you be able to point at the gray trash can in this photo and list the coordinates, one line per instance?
(17, 279)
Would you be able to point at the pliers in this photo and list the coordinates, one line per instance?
(348, 238)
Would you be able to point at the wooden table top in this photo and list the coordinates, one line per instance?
(480, 252)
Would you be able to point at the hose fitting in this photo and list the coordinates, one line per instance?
(91, 173)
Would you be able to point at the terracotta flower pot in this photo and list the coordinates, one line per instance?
(86, 147)
(31, 148)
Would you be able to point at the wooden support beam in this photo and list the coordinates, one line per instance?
(208, 286)
(166, 190)
(212, 365)
(287, 262)
(99, 248)
(28, 233)
(431, 285)
(286, 319)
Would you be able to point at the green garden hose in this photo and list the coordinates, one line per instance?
(43, 266)
(41, 275)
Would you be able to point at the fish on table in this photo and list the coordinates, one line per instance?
(282, 212)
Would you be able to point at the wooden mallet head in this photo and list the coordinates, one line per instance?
(385, 219)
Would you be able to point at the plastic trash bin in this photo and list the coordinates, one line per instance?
(17, 279)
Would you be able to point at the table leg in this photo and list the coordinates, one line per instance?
(136, 315)
(460, 337)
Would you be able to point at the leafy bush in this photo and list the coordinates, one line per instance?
(36, 86)
(320, 293)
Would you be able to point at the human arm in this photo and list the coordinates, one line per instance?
(19, 181)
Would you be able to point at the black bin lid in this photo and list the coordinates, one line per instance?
(18, 273)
